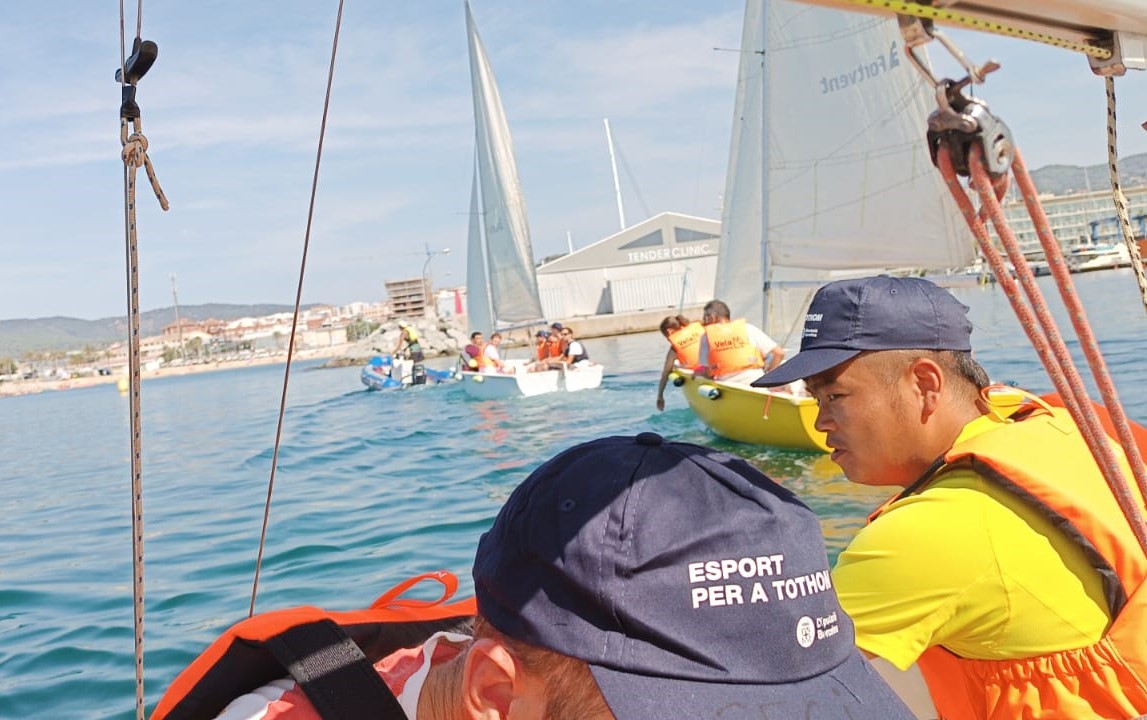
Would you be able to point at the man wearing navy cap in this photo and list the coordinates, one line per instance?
(1004, 568)
(635, 578)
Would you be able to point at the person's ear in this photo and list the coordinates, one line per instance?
(489, 681)
(928, 382)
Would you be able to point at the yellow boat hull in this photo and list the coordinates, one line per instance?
(753, 415)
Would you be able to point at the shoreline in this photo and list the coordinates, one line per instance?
(34, 387)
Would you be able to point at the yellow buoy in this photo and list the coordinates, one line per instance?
(121, 385)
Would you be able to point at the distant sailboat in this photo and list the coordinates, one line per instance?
(501, 284)
(826, 169)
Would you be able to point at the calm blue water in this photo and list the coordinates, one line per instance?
(372, 487)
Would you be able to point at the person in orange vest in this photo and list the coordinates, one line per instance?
(734, 350)
(684, 339)
(1003, 568)
(541, 345)
(558, 342)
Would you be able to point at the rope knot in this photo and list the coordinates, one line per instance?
(135, 150)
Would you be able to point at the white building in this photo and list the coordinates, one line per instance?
(667, 261)
(1079, 220)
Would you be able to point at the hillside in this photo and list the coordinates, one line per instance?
(1066, 179)
(18, 337)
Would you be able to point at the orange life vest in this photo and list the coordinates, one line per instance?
(330, 654)
(554, 346)
(1043, 459)
(729, 348)
(483, 359)
(542, 349)
(686, 341)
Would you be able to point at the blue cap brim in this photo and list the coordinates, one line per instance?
(805, 364)
(852, 689)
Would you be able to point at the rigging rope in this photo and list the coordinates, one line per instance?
(295, 318)
(1040, 327)
(1117, 192)
(134, 155)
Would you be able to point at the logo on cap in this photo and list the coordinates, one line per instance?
(806, 632)
(811, 332)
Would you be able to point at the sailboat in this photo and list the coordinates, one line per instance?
(810, 269)
(501, 285)
(826, 165)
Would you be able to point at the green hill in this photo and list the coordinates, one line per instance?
(18, 337)
(1068, 179)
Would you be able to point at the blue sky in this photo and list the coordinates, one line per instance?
(232, 111)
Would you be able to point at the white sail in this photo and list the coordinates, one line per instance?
(740, 265)
(513, 285)
(478, 311)
(844, 182)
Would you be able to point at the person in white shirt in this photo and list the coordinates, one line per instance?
(494, 362)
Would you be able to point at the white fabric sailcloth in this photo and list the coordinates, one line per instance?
(828, 174)
(503, 234)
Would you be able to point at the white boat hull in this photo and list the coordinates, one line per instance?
(521, 383)
(496, 386)
(586, 377)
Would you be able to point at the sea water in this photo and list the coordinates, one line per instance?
(370, 488)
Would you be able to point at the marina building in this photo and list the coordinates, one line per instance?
(659, 264)
(1079, 221)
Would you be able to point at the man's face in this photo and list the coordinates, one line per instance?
(478, 340)
(868, 421)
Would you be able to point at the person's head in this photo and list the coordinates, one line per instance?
(674, 581)
(496, 339)
(476, 337)
(557, 328)
(541, 337)
(889, 361)
(672, 323)
(403, 325)
(714, 311)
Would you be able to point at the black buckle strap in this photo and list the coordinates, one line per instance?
(334, 674)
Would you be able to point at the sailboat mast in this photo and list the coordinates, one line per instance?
(766, 269)
(616, 182)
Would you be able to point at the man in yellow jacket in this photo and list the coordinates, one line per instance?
(1003, 567)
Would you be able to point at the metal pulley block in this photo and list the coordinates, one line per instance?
(961, 121)
(143, 55)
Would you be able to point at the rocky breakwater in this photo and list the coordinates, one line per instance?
(439, 338)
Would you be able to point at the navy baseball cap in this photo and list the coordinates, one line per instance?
(691, 584)
(847, 317)
(542, 333)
